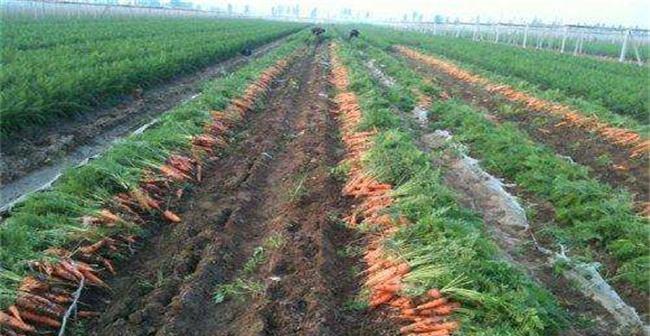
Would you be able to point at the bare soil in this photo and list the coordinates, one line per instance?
(274, 181)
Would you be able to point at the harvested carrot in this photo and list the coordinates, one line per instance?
(58, 298)
(31, 284)
(108, 264)
(446, 326)
(402, 302)
(380, 299)
(446, 309)
(12, 322)
(434, 293)
(420, 324)
(432, 304)
(172, 217)
(173, 173)
(145, 201)
(68, 266)
(93, 279)
(15, 313)
(86, 313)
(382, 276)
(108, 216)
(434, 333)
(389, 288)
(91, 249)
(64, 274)
(40, 319)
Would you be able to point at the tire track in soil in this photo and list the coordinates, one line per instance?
(167, 288)
(581, 146)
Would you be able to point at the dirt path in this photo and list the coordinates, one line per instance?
(30, 162)
(271, 195)
(609, 163)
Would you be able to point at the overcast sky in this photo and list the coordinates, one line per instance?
(623, 12)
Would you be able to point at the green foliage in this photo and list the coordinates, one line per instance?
(52, 70)
(237, 289)
(244, 284)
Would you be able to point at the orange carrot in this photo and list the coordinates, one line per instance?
(108, 216)
(434, 293)
(109, 265)
(63, 274)
(15, 313)
(380, 299)
(93, 279)
(26, 301)
(86, 313)
(91, 249)
(58, 298)
(447, 326)
(388, 273)
(173, 173)
(432, 304)
(434, 333)
(402, 302)
(12, 322)
(390, 288)
(40, 319)
(70, 268)
(172, 217)
(446, 309)
(415, 326)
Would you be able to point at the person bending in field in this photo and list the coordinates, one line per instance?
(317, 31)
(353, 33)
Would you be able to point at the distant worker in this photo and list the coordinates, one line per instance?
(353, 33)
(317, 31)
(247, 51)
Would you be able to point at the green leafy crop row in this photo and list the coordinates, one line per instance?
(53, 71)
(621, 88)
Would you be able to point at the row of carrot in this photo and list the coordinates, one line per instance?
(425, 315)
(624, 138)
(43, 298)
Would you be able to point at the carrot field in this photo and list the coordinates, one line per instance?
(258, 178)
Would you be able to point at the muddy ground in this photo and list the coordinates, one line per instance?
(33, 158)
(273, 185)
(608, 162)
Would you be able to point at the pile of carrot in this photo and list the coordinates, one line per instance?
(43, 298)
(621, 137)
(427, 315)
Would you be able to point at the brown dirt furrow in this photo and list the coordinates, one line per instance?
(273, 182)
(608, 162)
